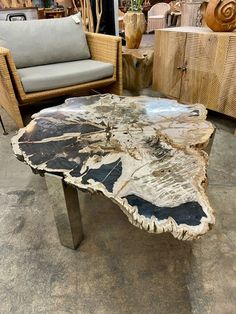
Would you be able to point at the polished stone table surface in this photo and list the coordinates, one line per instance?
(145, 154)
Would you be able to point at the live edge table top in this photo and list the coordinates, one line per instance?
(145, 154)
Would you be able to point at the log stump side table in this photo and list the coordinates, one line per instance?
(145, 154)
(137, 67)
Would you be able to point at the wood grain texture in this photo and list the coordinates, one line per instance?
(145, 154)
(208, 74)
(199, 80)
(168, 55)
(135, 26)
(189, 13)
(220, 15)
(137, 67)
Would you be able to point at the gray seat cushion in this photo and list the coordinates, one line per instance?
(37, 42)
(51, 76)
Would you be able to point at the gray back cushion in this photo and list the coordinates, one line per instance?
(38, 42)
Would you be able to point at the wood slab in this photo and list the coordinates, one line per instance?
(145, 154)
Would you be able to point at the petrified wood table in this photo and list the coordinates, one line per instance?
(145, 154)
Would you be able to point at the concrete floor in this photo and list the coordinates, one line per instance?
(118, 268)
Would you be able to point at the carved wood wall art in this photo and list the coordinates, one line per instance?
(220, 15)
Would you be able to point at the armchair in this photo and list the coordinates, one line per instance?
(22, 84)
(157, 16)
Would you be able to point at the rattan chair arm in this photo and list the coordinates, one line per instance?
(4, 51)
(107, 48)
(11, 67)
(100, 36)
(103, 47)
(5, 75)
(8, 98)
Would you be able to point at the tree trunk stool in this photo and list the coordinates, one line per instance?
(137, 67)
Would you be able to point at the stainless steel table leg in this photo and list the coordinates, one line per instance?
(65, 203)
(3, 127)
(211, 140)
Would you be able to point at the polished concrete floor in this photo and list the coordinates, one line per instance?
(118, 268)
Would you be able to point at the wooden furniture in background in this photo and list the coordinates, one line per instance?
(174, 14)
(53, 13)
(137, 67)
(174, 19)
(157, 16)
(15, 4)
(191, 13)
(121, 20)
(196, 65)
(24, 13)
(48, 13)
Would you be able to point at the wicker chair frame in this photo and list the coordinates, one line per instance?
(161, 9)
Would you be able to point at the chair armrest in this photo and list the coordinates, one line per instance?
(103, 47)
(8, 98)
(107, 48)
(4, 51)
(5, 73)
(10, 67)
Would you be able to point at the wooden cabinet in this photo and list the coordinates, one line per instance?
(196, 65)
